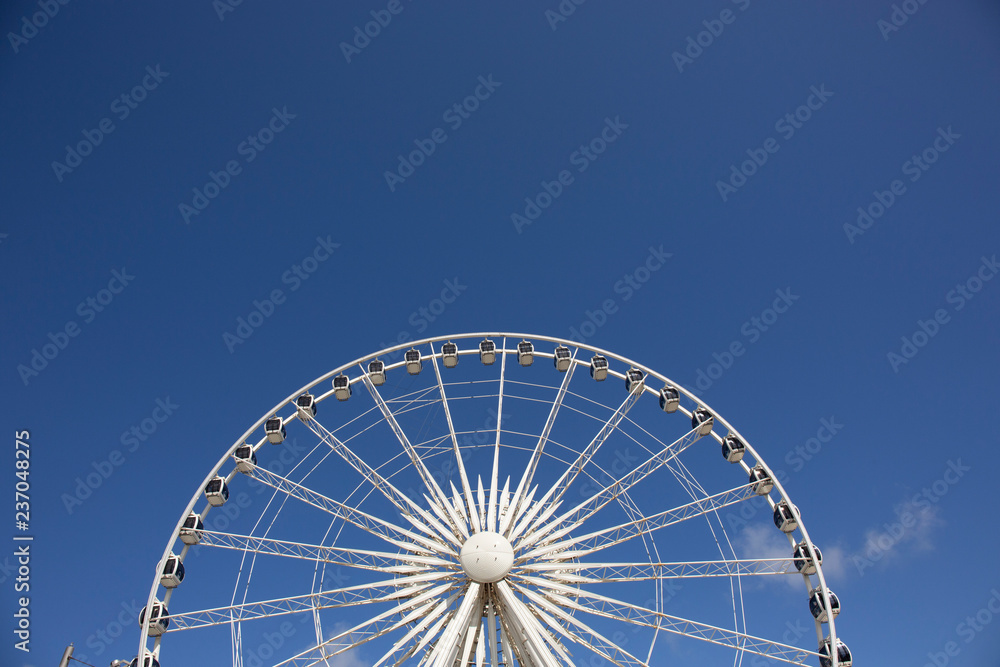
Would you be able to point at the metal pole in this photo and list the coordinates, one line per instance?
(67, 654)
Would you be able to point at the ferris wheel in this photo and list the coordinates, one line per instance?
(490, 499)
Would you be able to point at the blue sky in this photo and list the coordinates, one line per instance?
(695, 164)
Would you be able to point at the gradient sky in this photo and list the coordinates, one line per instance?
(902, 125)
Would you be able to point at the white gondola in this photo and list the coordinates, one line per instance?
(173, 572)
(245, 457)
(342, 386)
(599, 367)
(275, 430)
(761, 481)
(217, 491)
(376, 372)
(190, 532)
(413, 363)
(449, 354)
(818, 609)
(148, 661)
(733, 448)
(803, 559)
(158, 620)
(786, 517)
(843, 654)
(562, 358)
(487, 352)
(634, 380)
(670, 398)
(305, 407)
(702, 420)
(525, 353)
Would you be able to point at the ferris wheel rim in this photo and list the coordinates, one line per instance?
(505, 351)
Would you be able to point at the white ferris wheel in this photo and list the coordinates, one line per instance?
(490, 499)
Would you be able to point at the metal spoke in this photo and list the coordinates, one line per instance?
(592, 573)
(596, 502)
(491, 516)
(599, 605)
(389, 532)
(602, 539)
(401, 563)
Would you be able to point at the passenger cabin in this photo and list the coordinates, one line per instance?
(843, 654)
(786, 517)
(216, 491)
(305, 406)
(487, 352)
(761, 481)
(670, 398)
(245, 457)
(376, 372)
(413, 363)
(449, 354)
(634, 379)
(190, 532)
(342, 386)
(275, 430)
(818, 609)
(148, 661)
(802, 556)
(562, 358)
(733, 448)
(525, 353)
(599, 367)
(702, 420)
(158, 619)
(173, 572)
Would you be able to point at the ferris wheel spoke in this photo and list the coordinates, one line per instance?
(491, 513)
(522, 639)
(592, 505)
(568, 477)
(448, 645)
(402, 502)
(398, 563)
(437, 495)
(595, 573)
(587, 637)
(378, 626)
(602, 539)
(349, 596)
(373, 525)
(537, 638)
(599, 605)
(529, 470)
(403, 648)
(460, 463)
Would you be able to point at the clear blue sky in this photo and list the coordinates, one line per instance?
(212, 151)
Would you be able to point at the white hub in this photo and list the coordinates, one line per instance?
(487, 557)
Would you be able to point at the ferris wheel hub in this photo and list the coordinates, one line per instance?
(487, 557)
